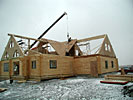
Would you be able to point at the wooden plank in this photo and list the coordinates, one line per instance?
(21, 81)
(114, 82)
(91, 38)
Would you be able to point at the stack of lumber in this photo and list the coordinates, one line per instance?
(119, 77)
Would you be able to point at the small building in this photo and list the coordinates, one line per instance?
(53, 59)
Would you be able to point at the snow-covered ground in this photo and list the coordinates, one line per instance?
(76, 88)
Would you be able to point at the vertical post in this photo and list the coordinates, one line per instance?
(41, 57)
(28, 66)
(99, 65)
(10, 68)
(0, 67)
(11, 71)
(28, 44)
(117, 65)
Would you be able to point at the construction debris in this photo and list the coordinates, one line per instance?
(3, 89)
(128, 90)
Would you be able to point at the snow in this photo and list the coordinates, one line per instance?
(77, 88)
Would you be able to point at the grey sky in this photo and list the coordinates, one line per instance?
(85, 18)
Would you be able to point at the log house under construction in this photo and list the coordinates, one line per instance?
(66, 60)
(54, 59)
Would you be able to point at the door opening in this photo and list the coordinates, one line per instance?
(94, 71)
(16, 67)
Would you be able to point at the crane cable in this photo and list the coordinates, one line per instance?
(67, 27)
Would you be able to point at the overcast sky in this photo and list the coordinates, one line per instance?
(86, 18)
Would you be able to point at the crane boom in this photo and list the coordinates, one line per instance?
(48, 29)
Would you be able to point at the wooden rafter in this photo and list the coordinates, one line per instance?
(18, 36)
(91, 38)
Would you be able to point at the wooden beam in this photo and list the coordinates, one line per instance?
(28, 43)
(18, 36)
(91, 38)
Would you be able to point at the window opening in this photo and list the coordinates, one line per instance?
(106, 64)
(6, 55)
(33, 64)
(109, 48)
(16, 68)
(106, 47)
(16, 54)
(53, 64)
(6, 67)
(112, 64)
(11, 44)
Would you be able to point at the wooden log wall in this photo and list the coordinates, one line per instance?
(6, 74)
(10, 73)
(109, 69)
(64, 66)
(82, 65)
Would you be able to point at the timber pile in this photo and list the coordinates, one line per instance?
(119, 77)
